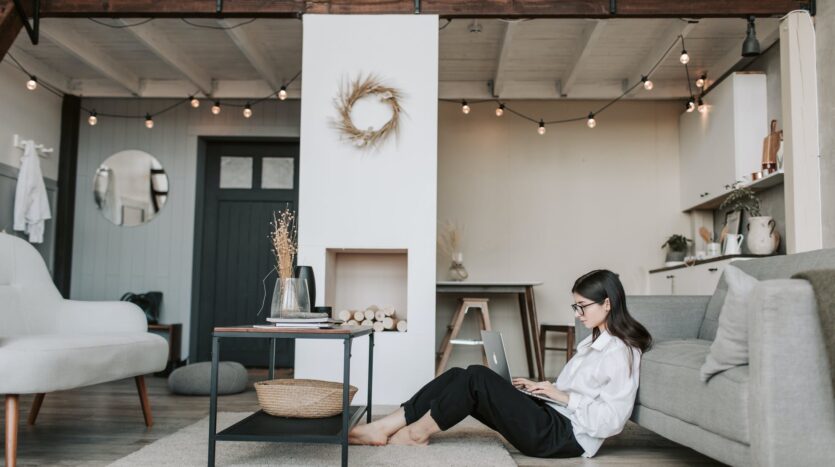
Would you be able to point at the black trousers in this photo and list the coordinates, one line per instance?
(529, 424)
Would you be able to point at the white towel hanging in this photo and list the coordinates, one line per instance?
(31, 205)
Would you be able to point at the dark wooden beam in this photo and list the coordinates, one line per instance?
(65, 209)
(444, 8)
(10, 26)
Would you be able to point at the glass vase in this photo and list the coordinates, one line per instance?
(290, 299)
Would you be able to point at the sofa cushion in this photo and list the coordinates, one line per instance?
(772, 267)
(670, 383)
(55, 362)
(730, 348)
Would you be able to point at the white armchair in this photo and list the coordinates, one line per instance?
(51, 344)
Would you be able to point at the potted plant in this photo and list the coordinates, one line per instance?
(762, 239)
(676, 247)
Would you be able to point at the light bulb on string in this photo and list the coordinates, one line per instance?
(702, 106)
(647, 83)
(282, 93)
(465, 108)
(691, 104)
(32, 84)
(93, 118)
(500, 110)
(247, 111)
(195, 102)
(684, 58)
(541, 129)
(700, 83)
(216, 108)
(591, 122)
(149, 122)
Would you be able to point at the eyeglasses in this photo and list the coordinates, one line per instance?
(581, 309)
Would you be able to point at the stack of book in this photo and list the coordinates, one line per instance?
(310, 321)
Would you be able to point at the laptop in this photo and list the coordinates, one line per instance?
(497, 361)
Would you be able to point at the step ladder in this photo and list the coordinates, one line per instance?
(454, 328)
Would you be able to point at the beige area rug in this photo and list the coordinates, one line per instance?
(467, 444)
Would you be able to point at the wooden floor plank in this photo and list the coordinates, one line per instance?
(100, 424)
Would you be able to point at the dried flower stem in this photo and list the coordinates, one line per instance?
(449, 238)
(284, 242)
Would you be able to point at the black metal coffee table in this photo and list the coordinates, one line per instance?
(263, 427)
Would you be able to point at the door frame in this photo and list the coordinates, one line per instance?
(199, 183)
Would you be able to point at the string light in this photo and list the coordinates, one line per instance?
(93, 119)
(541, 129)
(247, 110)
(647, 83)
(700, 83)
(684, 58)
(702, 106)
(32, 84)
(149, 122)
(691, 104)
(195, 102)
(216, 108)
(500, 110)
(591, 122)
(465, 107)
(282, 93)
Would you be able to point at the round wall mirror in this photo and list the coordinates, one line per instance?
(130, 188)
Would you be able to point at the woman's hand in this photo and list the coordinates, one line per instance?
(548, 389)
(523, 383)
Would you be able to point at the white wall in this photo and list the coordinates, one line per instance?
(382, 198)
(825, 31)
(109, 260)
(31, 114)
(550, 208)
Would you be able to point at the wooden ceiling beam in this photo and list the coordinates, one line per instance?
(504, 57)
(656, 54)
(444, 8)
(249, 45)
(82, 48)
(591, 34)
(10, 26)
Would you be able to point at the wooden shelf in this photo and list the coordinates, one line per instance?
(766, 182)
(707, 260)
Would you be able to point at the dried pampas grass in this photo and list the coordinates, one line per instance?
(355, 90)
(449, 238)
(284, 242)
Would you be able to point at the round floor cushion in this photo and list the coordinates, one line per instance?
(196, 379)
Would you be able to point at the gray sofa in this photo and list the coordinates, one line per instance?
(776, 411)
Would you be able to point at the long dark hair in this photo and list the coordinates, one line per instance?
(597, 286)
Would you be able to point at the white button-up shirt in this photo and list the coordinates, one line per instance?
(601, 389)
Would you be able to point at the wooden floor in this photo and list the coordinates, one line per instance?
(99, 424)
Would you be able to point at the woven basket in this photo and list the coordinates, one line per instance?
(301, 398)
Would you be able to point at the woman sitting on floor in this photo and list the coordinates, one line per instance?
(597, 387)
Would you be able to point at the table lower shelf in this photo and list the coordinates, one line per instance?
(261, 426)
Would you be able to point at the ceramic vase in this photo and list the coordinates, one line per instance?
(762, 239)
(457, 271)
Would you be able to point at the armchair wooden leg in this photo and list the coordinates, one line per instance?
(143, 399)
(12, 414)
(36, 407)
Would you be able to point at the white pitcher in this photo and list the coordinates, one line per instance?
(733, 244)
(762, 239)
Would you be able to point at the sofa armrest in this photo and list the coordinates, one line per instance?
(791, 407)
(666, 317)
(99, 317)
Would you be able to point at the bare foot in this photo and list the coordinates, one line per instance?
(367, 435)
(406, 437)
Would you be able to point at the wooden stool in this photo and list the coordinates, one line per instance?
(454, 329)
(569, 340)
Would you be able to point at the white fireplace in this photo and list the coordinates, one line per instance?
(367, 218)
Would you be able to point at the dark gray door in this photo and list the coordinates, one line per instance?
(245, 182)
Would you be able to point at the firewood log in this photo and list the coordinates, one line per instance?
(388, 323)
(378, 326)
(345, 315)
(359, 315)
(352, 322)
(367, 322)
(369, 314)
(379, 315)
(401, 325)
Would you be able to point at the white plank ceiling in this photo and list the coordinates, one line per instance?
(533, 59)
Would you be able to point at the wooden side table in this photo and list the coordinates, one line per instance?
(569, 340)
(175, 332)
(263, 427)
